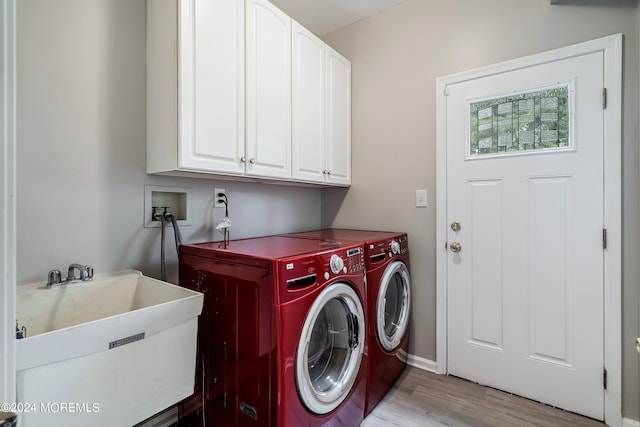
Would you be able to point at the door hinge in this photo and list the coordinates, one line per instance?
(604, 378)
(604, 238)
(604, 98)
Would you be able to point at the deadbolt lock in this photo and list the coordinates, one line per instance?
(455, 226)
(455, 247)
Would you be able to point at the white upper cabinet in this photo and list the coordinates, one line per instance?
(195, 86)
(321, 115)
(338, 118)
(309, 105)
(235, 87)
(268, 86)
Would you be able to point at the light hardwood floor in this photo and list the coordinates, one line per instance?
(424, 399)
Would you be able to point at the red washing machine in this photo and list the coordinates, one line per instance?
(282, 333)
(388, 303)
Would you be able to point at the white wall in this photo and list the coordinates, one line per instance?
(396, 57)
(7, 199)
(82, 153)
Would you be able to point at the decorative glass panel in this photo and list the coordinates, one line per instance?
(520, 123)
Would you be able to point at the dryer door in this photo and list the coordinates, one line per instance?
(330, 348)
(393, 304)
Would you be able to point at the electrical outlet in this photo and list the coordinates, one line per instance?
(421, 198)
(218, 201)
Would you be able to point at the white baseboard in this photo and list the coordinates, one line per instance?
(421, 363)
(627, 422)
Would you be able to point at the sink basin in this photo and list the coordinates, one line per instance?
(113, 351)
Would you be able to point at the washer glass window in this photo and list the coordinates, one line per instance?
(330, 349)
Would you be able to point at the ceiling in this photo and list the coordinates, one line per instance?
(325, 16)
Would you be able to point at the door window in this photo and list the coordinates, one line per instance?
(520, 123)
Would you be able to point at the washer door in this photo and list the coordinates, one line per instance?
(330, 348)
(392, 308)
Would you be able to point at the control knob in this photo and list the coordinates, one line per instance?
(395, 247)
(336, 263)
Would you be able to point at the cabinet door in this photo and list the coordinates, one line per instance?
(211, 85)
(338, 156)
(308, 124)
(268, 86)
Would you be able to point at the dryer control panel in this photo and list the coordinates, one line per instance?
(383, 250)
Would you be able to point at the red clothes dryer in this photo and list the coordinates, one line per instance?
(388, 303)
(282, 333)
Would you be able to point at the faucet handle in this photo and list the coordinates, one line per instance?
(87, 273)
(54, 278)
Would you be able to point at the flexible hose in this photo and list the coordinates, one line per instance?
(164, 218)
(163, 267)
(176, 231)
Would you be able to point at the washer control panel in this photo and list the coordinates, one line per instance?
(349, 261)
(355, 260)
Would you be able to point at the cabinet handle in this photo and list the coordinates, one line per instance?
(328, 172)
(243, 159)
(252, 160)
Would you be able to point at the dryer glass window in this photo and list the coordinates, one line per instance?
(393, 304)
(394, 298)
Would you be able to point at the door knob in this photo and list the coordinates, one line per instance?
(455, 247)
(455, 226)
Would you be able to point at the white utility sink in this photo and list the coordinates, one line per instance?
(112, 351)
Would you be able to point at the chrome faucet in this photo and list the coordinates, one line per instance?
(55, 277)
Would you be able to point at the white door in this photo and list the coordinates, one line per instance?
(268, 90)
(211, 72)
(309, 95)
(338, 155)
(525, 203)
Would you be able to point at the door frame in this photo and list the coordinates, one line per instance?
(611, 46)
(7, 199)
